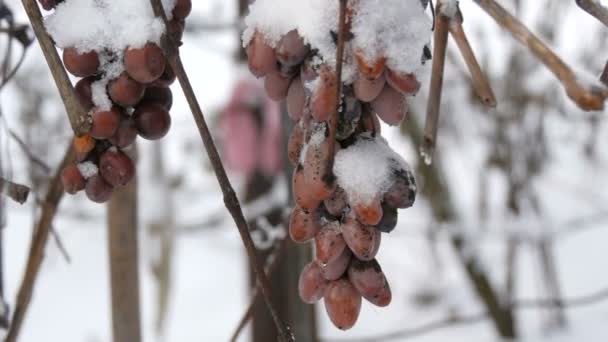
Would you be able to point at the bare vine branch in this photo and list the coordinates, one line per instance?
(230, 199)
(37, 247)
(588, 98)
(76, 113)
(595, 8)
(480, 82)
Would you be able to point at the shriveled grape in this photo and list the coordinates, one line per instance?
(368, 90)
(125, 134)
(152, 121)
(301, 191)
(367, 277)
(72, 179)
(336, 268)
(295, 143)
(337, 202)
(98, 190)
(303, 226)
(125, 91)
(311, 284)
(404, 83)
(323, 101)
(276, 85)
(296, 99)
(291, 49)
(116, 168)
(182, 9)
(390, 106)
(368, 213)
(81, 64)
(145, 64)
(329, 243)
(342, 303)
(361, 239)
(402, 192)
(261, 56)
(105, 122)
(84, 92)
(389, 219)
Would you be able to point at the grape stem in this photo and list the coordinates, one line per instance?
(436, 87)
(588, 98)
(170, 47)
(595, 8)
(39, 240)
(77, 115)
(480, 82)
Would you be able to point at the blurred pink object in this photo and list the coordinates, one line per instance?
(251, 131)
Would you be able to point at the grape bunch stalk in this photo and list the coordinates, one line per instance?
(347, 183)
(126, 94)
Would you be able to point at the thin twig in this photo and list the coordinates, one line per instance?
(230, 199)
(272, 263)
(431, 327)
(480, 82)
(30, 155)
(595, 8)
(17, 192)
(37, 248)
(588, 98)
(436, 87)
(74, 110)
(61, 246)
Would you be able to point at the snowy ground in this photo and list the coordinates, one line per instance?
(71, 301)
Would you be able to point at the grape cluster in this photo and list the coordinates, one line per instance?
(331, 146)
(139, 103)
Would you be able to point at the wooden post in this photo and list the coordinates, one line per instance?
(124, 268)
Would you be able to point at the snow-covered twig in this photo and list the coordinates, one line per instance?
(39, 240)
(480, 82)
(595, 8)
(230, 199)
(74, 110)
(589, 98)
(17, 192)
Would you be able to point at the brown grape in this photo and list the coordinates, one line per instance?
(72, 179)
(405, 83)
(311, 284)
(371, 69)
(276, 85)
(303, 226)
(367, 277)
(402, 193)
(48, 4)
(367, 90)
(98, 190)
(116, 168)
(319, 179)
(83, 145)
(296, 99)
(291, 49)
(301, 191)
(390, 106)
(342, 303)
(105, 123)
(182, 9)
(361, 239)
(324, 102)
(152, 121)
(158, 95)
(335, 269)
(261, 56)
(145, 64)
(80, 64)
(337, 202)
(389, 218)
(166, 79)
(329, 243)
(368, 213)
(125, 91)
(84, 92)
(125, 134)
(295, 143)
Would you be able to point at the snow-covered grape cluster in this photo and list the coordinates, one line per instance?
(113, 47)
(347, 183)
